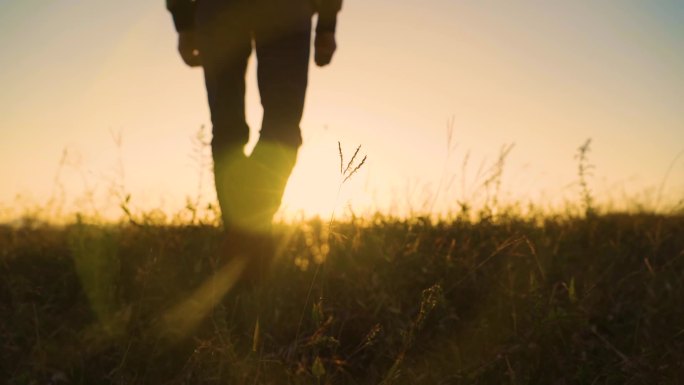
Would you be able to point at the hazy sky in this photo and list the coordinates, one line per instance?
(543, 75)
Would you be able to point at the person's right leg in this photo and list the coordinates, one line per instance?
(225, 44)
(225, 29)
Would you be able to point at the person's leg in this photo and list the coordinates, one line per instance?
(225, 43)
(282, 35)
(283, 40)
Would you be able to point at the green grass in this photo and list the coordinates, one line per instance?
(598, 300)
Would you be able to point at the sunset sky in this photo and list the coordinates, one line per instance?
(542, 75)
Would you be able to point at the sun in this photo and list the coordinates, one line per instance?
(314, 184)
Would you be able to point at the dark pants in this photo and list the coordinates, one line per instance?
(250, 189)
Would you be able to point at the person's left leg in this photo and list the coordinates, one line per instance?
(282, 38)
(283, 41)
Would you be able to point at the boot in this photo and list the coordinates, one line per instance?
(273, 164)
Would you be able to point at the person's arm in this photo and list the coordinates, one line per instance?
(183, 12)
(327, 15)
(325, 44)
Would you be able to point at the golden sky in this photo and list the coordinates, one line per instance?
(543, 75)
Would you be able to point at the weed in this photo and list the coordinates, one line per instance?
(506, 299)
(564, 299)
(584, 172)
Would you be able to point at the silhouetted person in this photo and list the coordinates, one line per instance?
(219, 35)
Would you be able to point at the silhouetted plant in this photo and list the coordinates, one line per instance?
(351, 167)
(492, 183)
(584, 172)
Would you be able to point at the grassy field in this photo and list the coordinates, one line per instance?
(558, 300)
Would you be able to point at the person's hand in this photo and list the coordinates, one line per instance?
(187, 47)
(324, 48)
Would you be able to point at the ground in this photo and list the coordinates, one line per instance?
(549, 300)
